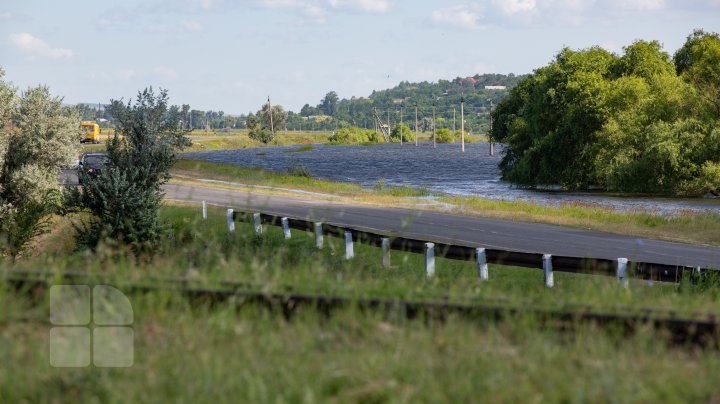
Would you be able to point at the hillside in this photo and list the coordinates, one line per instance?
(445, 94)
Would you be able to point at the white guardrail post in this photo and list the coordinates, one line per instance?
(622, 272)
(385, 243)
(257, 221)
(547, 267)
(429, 259)
(230, 221)
(349, 251)
(285, 227)
(482, 266)
(204, 210)
(318, 235)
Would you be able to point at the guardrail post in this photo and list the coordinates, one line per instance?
(385, 242)
(429, 259)
(349, 251)
(621, 272)
(204, 210)
(285, 227)
(547, 267)
(318, 235)
(230, 221)
(257, 221)
(482, 266)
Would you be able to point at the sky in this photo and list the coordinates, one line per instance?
(231, 55)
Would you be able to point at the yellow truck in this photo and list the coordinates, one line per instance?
(91, 131)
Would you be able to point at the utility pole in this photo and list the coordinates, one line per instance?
(492, 146)
(416, 126)
(462, 122)
(434, 143)
(401, 123)
(272, 128)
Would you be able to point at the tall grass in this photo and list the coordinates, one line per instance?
(196, 352)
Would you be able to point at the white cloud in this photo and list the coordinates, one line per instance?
(639, 5)
(319, 10)
(367, 6)
(193, 26)
(466, 17)
(36, 47)
(309, 8)
(511, 7)
(6, 16)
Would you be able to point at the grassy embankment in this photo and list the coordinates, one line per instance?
(685, 227)
(198, 352)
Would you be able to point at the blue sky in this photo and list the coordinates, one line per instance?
(230, 55)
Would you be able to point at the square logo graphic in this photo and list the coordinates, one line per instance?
(90, 327)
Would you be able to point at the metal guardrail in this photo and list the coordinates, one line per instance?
(581, 265)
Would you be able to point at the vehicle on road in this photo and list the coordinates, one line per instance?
(92, 164)
(91, 131)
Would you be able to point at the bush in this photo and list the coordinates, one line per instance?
(353, 135)
(407, 134)
(444, 136)
(262, 135)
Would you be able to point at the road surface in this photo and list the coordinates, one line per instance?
(456, 229)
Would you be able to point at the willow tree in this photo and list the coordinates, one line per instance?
(38, 136)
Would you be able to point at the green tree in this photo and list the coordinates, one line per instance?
(328, 105)
(124, 199)
(37, 136)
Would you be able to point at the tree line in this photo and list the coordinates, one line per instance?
(641, 121)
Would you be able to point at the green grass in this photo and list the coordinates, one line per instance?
(195, 352)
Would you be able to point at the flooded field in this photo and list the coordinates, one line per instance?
(444, 169)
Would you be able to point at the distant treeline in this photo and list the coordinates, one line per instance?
(333, 113)
(636, 122)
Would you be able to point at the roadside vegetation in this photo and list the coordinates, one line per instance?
(636, 122)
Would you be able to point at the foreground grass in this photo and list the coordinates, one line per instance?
(701, 228)
(194, 352)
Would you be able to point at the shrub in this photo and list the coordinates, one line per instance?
(444, 136)
(262, 135)
(407, 134)
(353, 135)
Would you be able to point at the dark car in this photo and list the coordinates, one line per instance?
(92, 164)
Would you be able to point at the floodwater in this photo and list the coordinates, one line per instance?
(443, 169)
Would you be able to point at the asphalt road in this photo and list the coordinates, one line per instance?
(457, 229)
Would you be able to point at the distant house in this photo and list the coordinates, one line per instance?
(495, 87)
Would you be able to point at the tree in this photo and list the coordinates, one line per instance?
(38, 136)
(124, 199)
(444, 136)
(328, 105)
(698, 62)
(279, 117)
